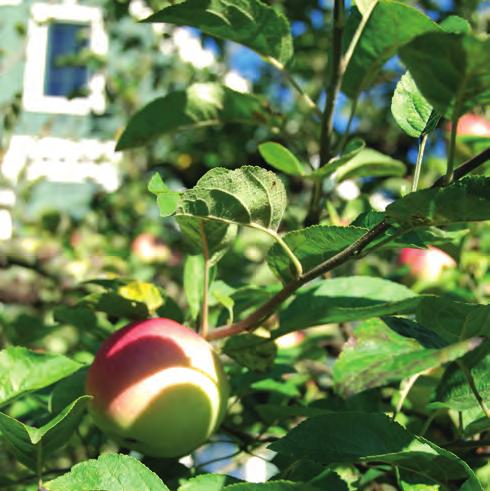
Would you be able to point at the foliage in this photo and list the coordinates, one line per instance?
(385, 382)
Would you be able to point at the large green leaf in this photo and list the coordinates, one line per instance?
(411, 110)
(249, 196)
(376, 355)
(345, 299)
(453, 320)
(467, 200)
(110, 472)
(311, 246)
(201, 104)
(382, 35)
(23, 371)
(351, 437)
(281, 158)
(248, 22)
(369, 163)
(451, 70)
(31, 445)
(200, 235)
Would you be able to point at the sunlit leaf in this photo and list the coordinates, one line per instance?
(248, 22)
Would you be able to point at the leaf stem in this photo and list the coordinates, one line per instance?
(471, 382)
(405, 388)
(333, 88)
(204, 314)
(450, 159)
(296, 262)
(294, 83)
(418, 165)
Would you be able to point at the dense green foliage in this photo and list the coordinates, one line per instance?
(386, 382)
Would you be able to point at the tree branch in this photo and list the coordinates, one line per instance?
(333, 88)
(352, 252)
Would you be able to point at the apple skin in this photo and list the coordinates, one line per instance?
(473, 125)
(149, 249)
(158, 388)
(426, 264)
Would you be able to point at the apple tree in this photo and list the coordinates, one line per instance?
(334, 296)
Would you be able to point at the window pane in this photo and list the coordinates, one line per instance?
(65, 76)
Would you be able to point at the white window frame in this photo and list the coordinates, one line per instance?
(34, 99)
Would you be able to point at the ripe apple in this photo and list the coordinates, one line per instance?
(426, 264)
(158, 388)
(473, 125)
(149, 249)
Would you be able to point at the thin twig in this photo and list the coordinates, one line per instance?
(333, 88)
(269, 307)
(294, 83)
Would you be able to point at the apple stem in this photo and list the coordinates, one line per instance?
(418, 165)
(204, 314)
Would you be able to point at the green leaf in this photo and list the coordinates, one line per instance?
(345, 299)
(453, 320)
(354, 146)
(281, 158)
(193, 283)
(207, 482)
(248, 22)
(201, 104)
(451, 70)
(23, 371)
(249, 196)
(382, 35)
(411, 110)
(31, 445)
(455, 24)
(217, 239)
(311, 246)
(351, 437)
(369, 163)
(454, 391)
(376, 355)
(110, 472)
(467, 200)
(251, 351)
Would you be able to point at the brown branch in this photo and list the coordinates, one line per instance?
(350, 253)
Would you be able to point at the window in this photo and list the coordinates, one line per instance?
(57, 78)
(65, 75)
